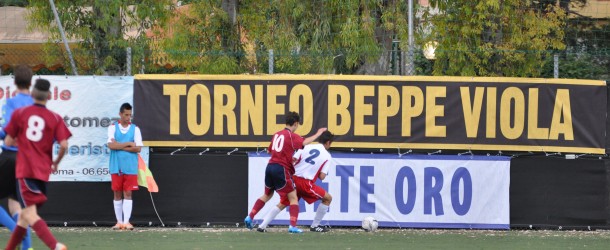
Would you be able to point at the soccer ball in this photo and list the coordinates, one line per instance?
(369, 224)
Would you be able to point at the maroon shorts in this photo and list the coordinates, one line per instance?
(306, 190)
(124, 182)
(31, 192)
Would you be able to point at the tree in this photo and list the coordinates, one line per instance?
(494, 37)
(305, 36)
(20, 3)
(102, 29)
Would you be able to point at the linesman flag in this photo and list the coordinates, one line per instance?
(145, 177)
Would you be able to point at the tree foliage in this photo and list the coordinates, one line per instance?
(102, 29)
(494, 37)
(305, 36)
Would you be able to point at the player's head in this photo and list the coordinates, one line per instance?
(326, 138)
(40, 93)
(293, 119)
(125, 113)
(23, 77)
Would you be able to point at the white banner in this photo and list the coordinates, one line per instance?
(88, 105)
(419, 191)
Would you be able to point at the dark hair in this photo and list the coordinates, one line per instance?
(292, 117)
(41, 89)
(125, 106)
(23, 76)
(325, 137)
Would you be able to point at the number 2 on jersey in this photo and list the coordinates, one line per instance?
(314, 153)
(35, 127)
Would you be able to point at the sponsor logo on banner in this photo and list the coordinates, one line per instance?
(88, 105)
(410, 191)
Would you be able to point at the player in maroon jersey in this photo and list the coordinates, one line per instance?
(279, 171)
(35, 129)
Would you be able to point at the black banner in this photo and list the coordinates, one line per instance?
(512, 114)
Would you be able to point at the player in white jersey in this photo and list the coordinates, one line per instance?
(311, 163)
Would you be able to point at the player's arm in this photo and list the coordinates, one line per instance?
(114, 145)
(136, 145)
(314, 137)
(10, 141)
(324, 170)
(321, 176)
(63, 146)
(132, 148)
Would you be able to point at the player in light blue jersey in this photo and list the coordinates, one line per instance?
(8, 184)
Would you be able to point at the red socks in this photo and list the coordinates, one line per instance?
(294, 214)
(16, 237)
(257, 207)
(43, 232)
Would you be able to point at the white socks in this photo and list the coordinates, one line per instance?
(122, 210)
(269, 217)
(118, 210)
(127, 206)
(320, 212)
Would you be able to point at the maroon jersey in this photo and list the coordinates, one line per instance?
(282, 147)
(36, 129)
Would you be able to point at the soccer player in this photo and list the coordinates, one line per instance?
(8, 183)
(279, 171)
(312, 163)
(35, 129)
(125, 142)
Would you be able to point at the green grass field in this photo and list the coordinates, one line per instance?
(278, 238)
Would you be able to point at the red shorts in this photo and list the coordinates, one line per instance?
(31, 192)
(306, 190)
(124, 182)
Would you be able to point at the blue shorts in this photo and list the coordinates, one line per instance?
(279, 179)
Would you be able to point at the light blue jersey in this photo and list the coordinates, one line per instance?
(121, 161)
(18, 101)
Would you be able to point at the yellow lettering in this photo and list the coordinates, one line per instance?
(433, 111)
(251, 107)
(174, 92)
(274, 109)
(412, 106)
(562, 108)
(303, 91)
(361, 109)
(533, 131)
(472, 110)
(227, 110)
(338, 102)
(201, 93)
(509, 95)
(491, 113)
(389, 104)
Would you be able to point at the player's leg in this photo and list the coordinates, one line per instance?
(320, 212)
(127, 208)
(32, 194)
(130, 184)
(7, 186)
(294, 212)
(117, 190)
(271, 215)
(271, 171)
(290, 192)
(15, 209)
(6, 220)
